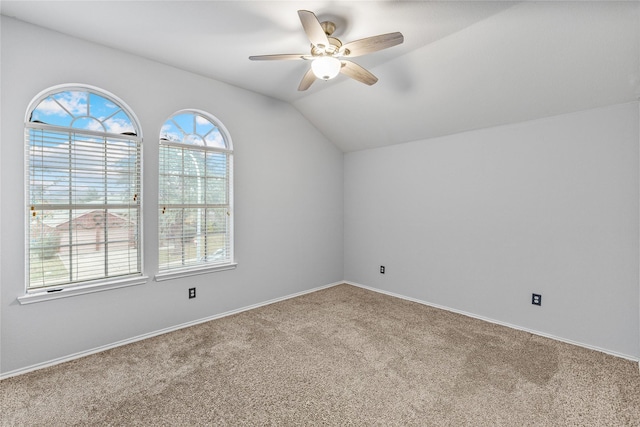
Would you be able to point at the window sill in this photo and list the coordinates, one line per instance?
(51, 294)
(175, 274)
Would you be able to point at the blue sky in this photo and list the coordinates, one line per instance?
(83, 110)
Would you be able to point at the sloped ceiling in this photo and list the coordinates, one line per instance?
(463, 65)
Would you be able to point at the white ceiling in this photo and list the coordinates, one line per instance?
(463, 65)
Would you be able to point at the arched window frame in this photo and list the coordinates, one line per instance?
(185, 252)
(85, 160)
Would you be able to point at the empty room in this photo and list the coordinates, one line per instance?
(320, 213)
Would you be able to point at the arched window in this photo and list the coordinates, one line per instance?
(195, 195)
(83, 149)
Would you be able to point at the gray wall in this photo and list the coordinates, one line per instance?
(479, 221)
(288, 199)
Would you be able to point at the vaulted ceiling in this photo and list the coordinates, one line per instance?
(462, 66)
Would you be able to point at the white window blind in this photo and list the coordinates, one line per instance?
(84, 191)
(195, 217)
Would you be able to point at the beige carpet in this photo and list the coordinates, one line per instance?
(340, 356)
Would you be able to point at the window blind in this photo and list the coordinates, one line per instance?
(84, 209)
(195, 214)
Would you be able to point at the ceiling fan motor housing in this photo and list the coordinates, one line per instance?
(331, 50)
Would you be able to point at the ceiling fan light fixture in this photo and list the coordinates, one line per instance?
(326, 67)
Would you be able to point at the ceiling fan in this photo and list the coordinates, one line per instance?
(329, 56)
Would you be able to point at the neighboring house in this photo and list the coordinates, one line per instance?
(89, 225)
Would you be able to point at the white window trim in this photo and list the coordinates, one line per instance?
(191, 271)
(81, 289)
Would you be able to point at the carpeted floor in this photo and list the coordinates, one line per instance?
(340, 356)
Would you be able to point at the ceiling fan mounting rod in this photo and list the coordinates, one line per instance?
(328, 27)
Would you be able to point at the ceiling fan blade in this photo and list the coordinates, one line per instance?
(372, 44)
(313, 29)
(358, 73)
(307, 80)
(285, 56)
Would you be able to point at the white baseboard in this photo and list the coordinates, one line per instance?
(95, 350)
(272, 301)
(497, 322)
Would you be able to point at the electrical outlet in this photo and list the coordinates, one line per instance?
(536, 299)
(382, 269)
(192, 293)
